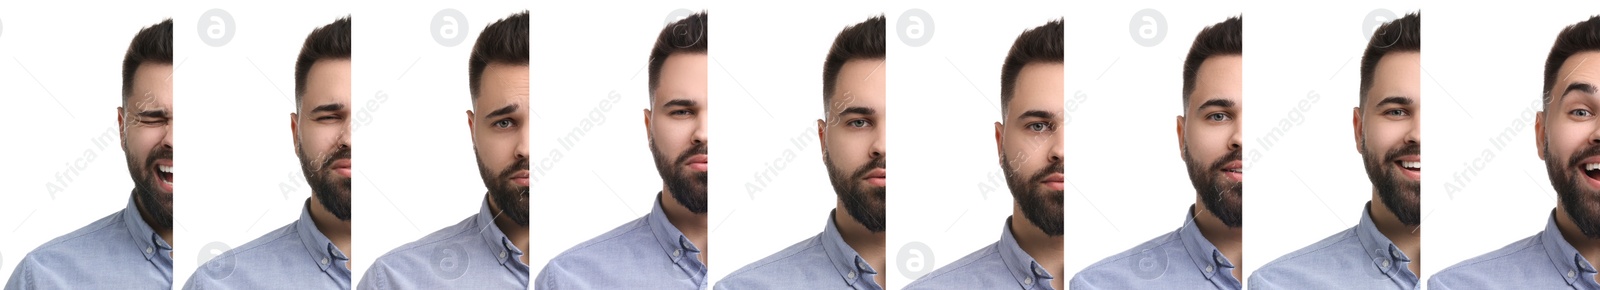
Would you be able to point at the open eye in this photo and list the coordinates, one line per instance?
(680, 113)
(1581, 113)
(858, 123)
(502, 124)
(1218, 117)
(1396, 113)
(1039, 127)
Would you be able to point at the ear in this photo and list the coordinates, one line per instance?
(999, 143)
(1355, 124)
(1182, 144)
(1538, 134)
(472, 120)
(294, 131)
(122, 132)
(649, 135)
(822, 137)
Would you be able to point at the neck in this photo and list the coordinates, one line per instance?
(165, 231)
(337, 231)
(868, 245)
(1407, 238)
(517, 233)
(1227, 239)
(1588, 247)
(1043, 248)
(692, 225)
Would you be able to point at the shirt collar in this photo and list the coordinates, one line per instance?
(322, 250)
(1380, 250)
(677, 246)
(846, 260)
(150, 244)
(495, 240)
(1566, 259)
(1022, 266)
(1205, 256)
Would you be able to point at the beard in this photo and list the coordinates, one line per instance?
(332, 191)
(157, 206)
(862, 202)
(689, 188)
(1580, 203)
(510, 198)
(1220, 196)
(1041, 206)
(1401, 196)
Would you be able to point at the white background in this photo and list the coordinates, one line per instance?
(1125, 174)
(770, 188)
(583, 53)
(1310, 183)
(416, 169)
(949, 192)
(245, 179)
(62, 80)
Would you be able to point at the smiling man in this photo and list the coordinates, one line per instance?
(310, 253)
(1566, 133)
(129, 249)
(1029, 253)
(1206, 251)
(484, 251)
(850, 248)
(1384, 250)
(666, 248)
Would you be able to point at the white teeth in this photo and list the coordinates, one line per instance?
(1411, 164)
(165, 168)
(1591, 166)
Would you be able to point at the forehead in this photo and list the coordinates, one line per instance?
(1397, 74)
(1582, 67)
(860, 81)
(328, 81)
(1219, 77)
(683, 76)
(1039, 87)
(503, 83)
(152, 83)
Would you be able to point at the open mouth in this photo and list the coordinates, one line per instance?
(164, 172)
(342, 167)
(1592, 170)
(1411, 166)
(1234, 170)
(1055, 181)
(878, 177)
(697, 162)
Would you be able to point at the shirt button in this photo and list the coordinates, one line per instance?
(502, 254)
(1038, 271)
(147, 250)
(1028, 281)
(1385, 263)
(324, 261)
(678, 252)
(851, 275)
(1209, 268)
(1571, 273)
(863, 265)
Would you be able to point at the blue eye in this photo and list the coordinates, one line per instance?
(1218, 117)
(858, 123)
(502, 124)
(1039, 127)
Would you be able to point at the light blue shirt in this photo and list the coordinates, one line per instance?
(473, 254)
(1181, 259)
(1002, 265)
(1542, 261)
(646, 253)
(1357, 258)
(118, 251)
(295, 256)
(823, 261)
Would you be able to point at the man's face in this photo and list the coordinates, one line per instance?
(1210, 136)
(1031, 142)
(322, 134)
(853, 140)
(145, 120)
(1391, 134)
(676, 123)
(500, 137)
(1569, 134)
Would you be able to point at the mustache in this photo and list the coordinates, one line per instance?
(698, 149)
(521, 164)
(1235, 155)
(1589, 151)
(161, 152)
(342, 153)
(1054, 167)
(1416, 149)
(875, 163)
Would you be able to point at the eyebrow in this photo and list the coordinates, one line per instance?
(679, 102)
(1578, 86)
(1036, 114)
(328, 108)
(508, 109)
(1398, 100)
(857, 110)
(1215, 102)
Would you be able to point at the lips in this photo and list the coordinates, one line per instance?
(1410, 166)
(1591, 169)
(342, 167)
(1055, 181)
(878, 177)
(520, 178)
(1233, 170)
(697, 162)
